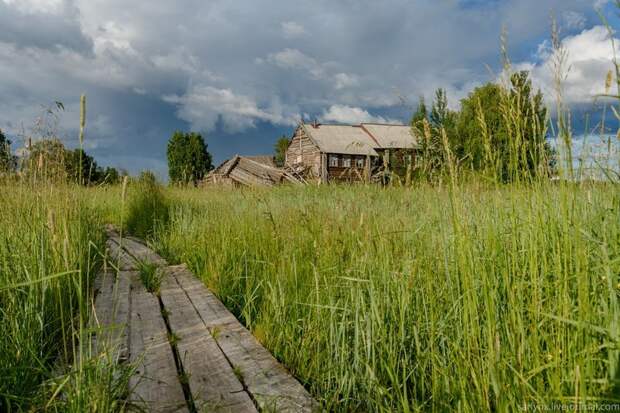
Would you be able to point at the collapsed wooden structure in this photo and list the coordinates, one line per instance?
(250, 171)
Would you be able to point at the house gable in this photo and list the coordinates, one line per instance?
(303, 152)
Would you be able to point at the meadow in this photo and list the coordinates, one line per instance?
(469, 297)
(51, 247)
(454, 290)
(462, 298)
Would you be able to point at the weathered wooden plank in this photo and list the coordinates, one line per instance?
(102, 298)
(141, 251)
(121, 314)
(304, 151)
(138, 250)
(227, 370)
(155, 386)
(110, 319)
(210, 308)
(102, 307)
(213, 383)
(268, 382)
(118, 258)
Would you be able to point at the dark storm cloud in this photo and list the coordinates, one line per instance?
(42, 30)
(243, 71)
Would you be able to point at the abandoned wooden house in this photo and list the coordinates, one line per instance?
(348, 152)
(248, 171)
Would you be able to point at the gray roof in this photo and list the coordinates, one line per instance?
(250, 171)
(391, 136)
(343, 139)
(264, 159)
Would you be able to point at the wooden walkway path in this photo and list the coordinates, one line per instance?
(191, 354)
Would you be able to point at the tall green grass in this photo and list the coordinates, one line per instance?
(147, 207)
(424, 299)
(51, 243)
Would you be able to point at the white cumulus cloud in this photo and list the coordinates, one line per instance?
(351, 115)
(295, 59)
(589, 59)
(202, 106)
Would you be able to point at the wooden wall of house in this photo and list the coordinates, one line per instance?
(398, 159)
(218, 180)
(353, 173)
(303, 151)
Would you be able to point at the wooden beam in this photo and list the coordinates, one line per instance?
(137, 250)
(155, 386)
(109, 320)
(267, 381)
(213, 383)
(118, 257)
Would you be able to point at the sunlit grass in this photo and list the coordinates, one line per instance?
(377, 299)
(51, 244)
(418, 299)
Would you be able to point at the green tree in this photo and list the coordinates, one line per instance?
(46, 160)
(443, 119)
(7, 160)
(280, 149)
(429, 126)
(440, 116)
(418, 118)
(188, 158)
(51, 160)
(110, 176)
(90, 172)
(504, 129)
(485, 101)
(439, 111)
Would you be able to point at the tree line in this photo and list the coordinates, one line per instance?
(49, 159)
(500, 131)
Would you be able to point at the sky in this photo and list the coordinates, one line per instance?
(245, 72)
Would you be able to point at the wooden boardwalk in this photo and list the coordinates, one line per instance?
(191, 354)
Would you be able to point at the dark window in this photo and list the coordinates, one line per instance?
(333, 160)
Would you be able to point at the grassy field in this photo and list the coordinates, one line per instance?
(469, 298)
(421, 299)
(51, 243)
